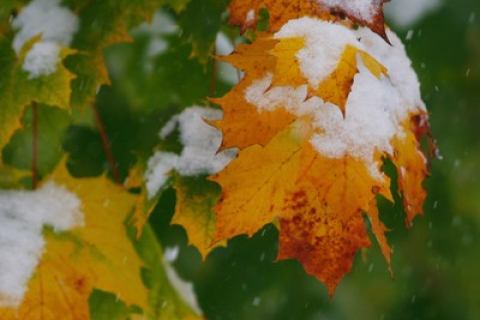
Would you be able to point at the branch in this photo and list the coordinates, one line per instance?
(106, 145)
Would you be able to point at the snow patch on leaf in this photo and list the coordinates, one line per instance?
(55, 24)
(370, 122)
(400, 72)
(324, 44)
(200, 144)
(158, 168)
(42, 59)
(22, 217)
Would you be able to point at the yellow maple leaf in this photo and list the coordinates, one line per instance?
(98, 255)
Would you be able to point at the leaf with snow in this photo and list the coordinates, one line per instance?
(320, 170)
(369, 13)
(98, 255)
(198, 157)
(306, 58)
(23, 215)
(45, 18)
(19, 89)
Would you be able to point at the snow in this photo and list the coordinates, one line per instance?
(171, 253)
(250, 17)
(405, 13)
(292, 99)
(369, 123)
(42, 59)
(200, 144)
(55, 24)
(22, 217)
(400, 71)
(375, 109)
(158, 169)
(183, 288)
(363, 9)
(316, 59)
(45, 17)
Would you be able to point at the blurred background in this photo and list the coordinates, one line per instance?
(436, 263)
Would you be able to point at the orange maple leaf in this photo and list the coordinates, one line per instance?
(244, 13)
(303, 166)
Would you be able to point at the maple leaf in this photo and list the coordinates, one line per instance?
(99, 255)
(17, 90)
(104, 23)
(186, 171)
(319, 170)
(202, 39)
(244, 13)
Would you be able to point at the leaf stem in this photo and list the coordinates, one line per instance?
(106, 145)
(34, 145)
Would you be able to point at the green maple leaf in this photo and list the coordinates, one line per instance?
(17, 90)
(201, 22)
(103, 23)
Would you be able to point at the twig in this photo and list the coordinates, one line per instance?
(106, 145)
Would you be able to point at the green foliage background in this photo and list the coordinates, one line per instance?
(435, 263)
